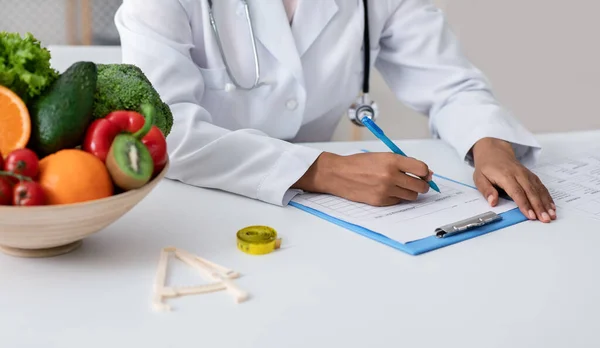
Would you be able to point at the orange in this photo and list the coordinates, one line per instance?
(15, 124)
(74, 176)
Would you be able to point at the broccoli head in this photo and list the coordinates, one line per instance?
(125, 87)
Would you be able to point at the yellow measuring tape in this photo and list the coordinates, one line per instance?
(257, 240)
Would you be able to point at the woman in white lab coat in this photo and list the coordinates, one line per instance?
(311, 69)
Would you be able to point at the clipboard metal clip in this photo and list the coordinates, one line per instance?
(467, 224)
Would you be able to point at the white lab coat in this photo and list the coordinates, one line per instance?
(247, 142)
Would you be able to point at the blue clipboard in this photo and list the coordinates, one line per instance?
(430, 243)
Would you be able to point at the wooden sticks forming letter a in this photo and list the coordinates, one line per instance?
(221, 275)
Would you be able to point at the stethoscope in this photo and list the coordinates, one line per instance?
(362, 107)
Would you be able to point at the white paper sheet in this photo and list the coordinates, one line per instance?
(408, 221)
(573, 182)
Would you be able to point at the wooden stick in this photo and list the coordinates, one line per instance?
(239, 294)
(209, 269)
(229, 273)
(159, 282)
(225, 271)
(195, 264)
(192, 290)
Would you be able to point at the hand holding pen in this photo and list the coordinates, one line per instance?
(374, 178)
(390, 144)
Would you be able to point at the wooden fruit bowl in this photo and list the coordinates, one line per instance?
(45, 231)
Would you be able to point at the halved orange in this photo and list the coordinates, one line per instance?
(15, 124)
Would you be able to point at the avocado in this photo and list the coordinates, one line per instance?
(61, 115)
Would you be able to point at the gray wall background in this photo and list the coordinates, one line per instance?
(47, 19)
(540, 56)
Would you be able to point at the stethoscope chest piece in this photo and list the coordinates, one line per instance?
(362, 107)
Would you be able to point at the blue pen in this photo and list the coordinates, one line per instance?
(381, 136)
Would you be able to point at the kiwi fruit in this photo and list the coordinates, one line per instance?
(129, 162)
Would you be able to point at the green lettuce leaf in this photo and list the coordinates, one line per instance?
(25, 65)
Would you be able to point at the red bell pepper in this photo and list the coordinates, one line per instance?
(99, 137)
(101, 133)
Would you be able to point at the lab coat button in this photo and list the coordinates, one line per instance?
(291, 104)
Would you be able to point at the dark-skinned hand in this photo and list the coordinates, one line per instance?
(497, 167)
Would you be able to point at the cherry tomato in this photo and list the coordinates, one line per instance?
(22, 161)
(28, 193)
(1, 161)
(6, 191)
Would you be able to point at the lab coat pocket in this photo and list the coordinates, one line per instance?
(230, 107)
(223, 103)
(215, 99)
(215, 78)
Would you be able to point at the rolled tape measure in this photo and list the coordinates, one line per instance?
(257, 240)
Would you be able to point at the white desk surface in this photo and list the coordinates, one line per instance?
(530, 285)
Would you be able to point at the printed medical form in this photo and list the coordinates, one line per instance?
(573, 182)
(408, 221)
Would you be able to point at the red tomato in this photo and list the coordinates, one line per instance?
(28, 193)
(1, 161)
(6, 191)
(22, 161)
